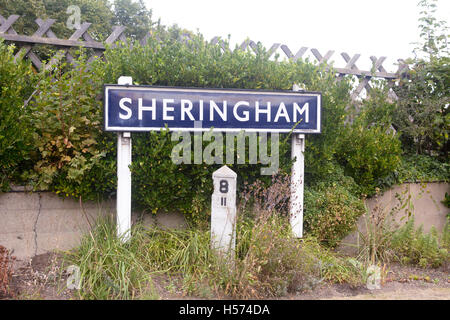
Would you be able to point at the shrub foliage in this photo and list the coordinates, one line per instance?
(16, 84)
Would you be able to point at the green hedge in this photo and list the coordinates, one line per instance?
(17, 82)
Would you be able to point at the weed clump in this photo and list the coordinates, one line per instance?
(5, 270)
(385, 239)
(270, 260)
(413, 246)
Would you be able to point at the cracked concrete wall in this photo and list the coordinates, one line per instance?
(17, 224)
(35, 223)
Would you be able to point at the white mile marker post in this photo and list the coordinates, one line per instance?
(124, 178)
(297, 180)
(223, 212)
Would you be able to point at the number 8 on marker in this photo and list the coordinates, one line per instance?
(223, 186)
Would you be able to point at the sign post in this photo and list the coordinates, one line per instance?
(297, 181)
(123, 204)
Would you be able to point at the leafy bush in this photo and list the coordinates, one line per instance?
(331, 212)
(423, 115)
(323, 148)
(158, 183)
(368, 155)
(446, 201)
(423, 168)
(67, 134)
(74, 157)
(378, 111)
(16, 83)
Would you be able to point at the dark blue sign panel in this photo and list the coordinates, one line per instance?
(143, 108)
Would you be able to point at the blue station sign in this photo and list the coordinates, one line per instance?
(147, 108)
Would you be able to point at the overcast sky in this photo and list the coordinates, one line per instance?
(368, 27)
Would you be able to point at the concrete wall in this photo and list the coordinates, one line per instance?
(35, 223)
(423, 201)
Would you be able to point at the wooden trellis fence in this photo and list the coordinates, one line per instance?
(81, 38)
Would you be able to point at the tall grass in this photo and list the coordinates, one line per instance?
(109, 269)
(268, 260)
(376, 239)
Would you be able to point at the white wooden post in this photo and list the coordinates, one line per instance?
(223, 211)
(297, 180)
(124, 178)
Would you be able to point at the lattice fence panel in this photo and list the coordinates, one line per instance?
(81, 38)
